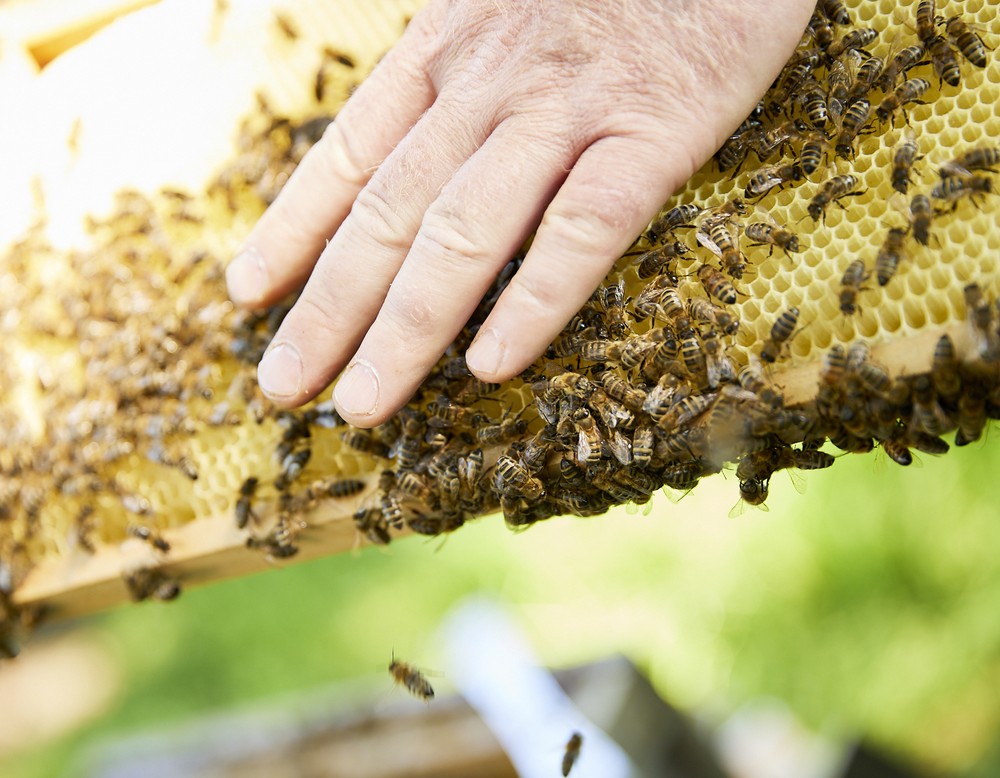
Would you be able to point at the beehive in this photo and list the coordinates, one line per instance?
(133, 417)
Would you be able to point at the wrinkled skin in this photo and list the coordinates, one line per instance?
(489, 119)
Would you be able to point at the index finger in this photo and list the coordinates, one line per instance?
(282, 248)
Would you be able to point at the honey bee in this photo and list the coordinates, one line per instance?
(589, 441)
(279, 542)
(291, 468)
(369, 521)
(678, 216)
(864, 80)
(143, 583)
(643, 440)
(286, 26)
(344, 60)
(512, 478)
(773, 235)
(971, 415)
(966, 40)
(821, 30)
(840, 77)
(505, 431)
(719, 237)
(659, 300)
(613, 302)
(982, 158)
(890, 254)
(651, 262)
(811, 155)
(147, 535)
(813, 101)
(835, 11)
(926, 17)
(767, 178)
(686, 410)
(902, 161)
(410, 677)
(572, 752)
(856, 39)
(718, 367)
(781, 332)
(832, 190)
(980, 316)
(703, 310)
(716, 285)
(851, 284)
(909, 91)
(921, 215)
(899, 64)
(244, 511)
(954, 188)
(944, 371)
(943, 59)
(365, 442)
(736, 148)
(751, 377)
(620, 390)
(897, 452)
(470, 468)
(926, 410)
(850, 126)
(691, 351)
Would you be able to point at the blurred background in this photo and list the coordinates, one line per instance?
(863, 610)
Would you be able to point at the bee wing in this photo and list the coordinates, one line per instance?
(620, 447)
(583, 447)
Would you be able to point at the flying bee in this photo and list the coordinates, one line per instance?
(781, 332)
(678, 216)
(926, 17)
(898, 64)
(981, 158)
(966, 40)
(512, 478)
(572, 752)
(954, 188)
(720, 237)
(147, 535)
(921, 215)
(703, 310)
(716, 285)
(944, 61)
(851, 124)
(903, 159)
(856, 39)
(851, 285)
(767, 178)
(890, 254)
(244, 512)
(832, 190)
(909, 91)
(651, 262)
(410, 677)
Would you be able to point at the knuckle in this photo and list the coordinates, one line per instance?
(379, 218)
(452, 240)
(316, 312)
(584, 229)
(342, 157)
(537, 294)
(411, 318)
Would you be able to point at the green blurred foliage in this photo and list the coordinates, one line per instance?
(868, 605)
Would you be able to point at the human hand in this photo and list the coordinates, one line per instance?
(491, 118)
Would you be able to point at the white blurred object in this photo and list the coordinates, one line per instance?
(494, 669)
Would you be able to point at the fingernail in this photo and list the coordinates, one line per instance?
(486, 354)
(246, 277)
(279, 373)
(357, 390)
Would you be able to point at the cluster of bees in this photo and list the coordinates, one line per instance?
(651, 385)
